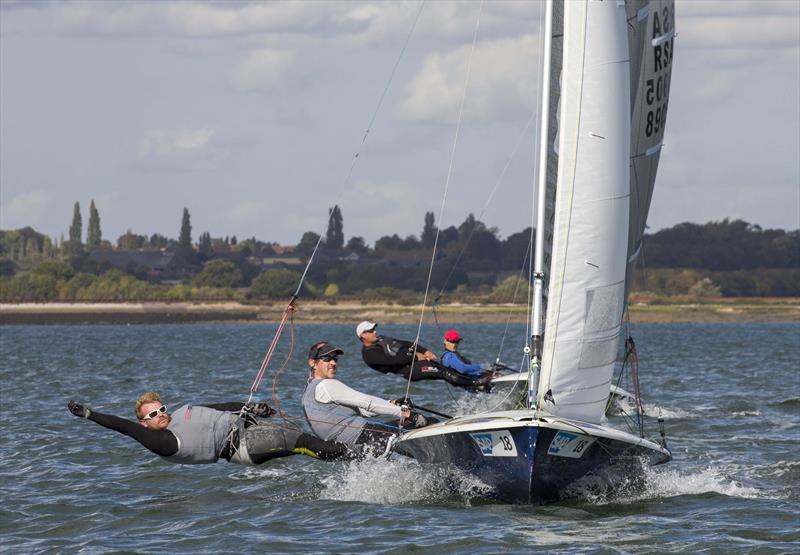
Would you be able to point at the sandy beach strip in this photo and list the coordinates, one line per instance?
(651, 310)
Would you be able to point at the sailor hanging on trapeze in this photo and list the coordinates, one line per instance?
(412, 361)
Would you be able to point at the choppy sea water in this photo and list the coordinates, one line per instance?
(729, 395)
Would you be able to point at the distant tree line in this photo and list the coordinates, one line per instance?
(728, 258)
(722, 246)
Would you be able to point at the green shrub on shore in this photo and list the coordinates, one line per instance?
(219, 273)
(29, 287)
(273, 284)
(53, 280)
(760, 282)
(112, 286)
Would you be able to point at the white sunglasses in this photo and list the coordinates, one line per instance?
(153, 413)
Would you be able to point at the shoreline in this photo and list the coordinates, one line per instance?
(753, 310)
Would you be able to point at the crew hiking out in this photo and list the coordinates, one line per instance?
(203, 434)
(394, 356)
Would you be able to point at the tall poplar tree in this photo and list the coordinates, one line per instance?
(74, 247)
(185, 237)
(428, 237)
(204, 245)
(93, 233)
(334, 238)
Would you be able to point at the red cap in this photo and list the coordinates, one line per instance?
(452, 336)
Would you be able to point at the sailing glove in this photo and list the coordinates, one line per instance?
(260, 410)
(263, 410)
(79, 410)
(404, 402)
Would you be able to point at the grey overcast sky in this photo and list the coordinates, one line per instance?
(249, 114)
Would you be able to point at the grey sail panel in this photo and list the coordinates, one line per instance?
(651, 29)
(556, 63)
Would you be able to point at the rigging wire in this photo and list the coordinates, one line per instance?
(525, 358)
(513, 300)
(485, 207)
(446, 186)
(526, 351)
(349, 174)
(290, 307)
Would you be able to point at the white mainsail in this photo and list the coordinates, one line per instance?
(591, 217)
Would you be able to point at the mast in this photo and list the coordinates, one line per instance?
(541, 184)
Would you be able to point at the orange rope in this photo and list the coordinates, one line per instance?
(287, 313)
(283, 366)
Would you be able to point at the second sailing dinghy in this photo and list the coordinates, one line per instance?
(602, 123)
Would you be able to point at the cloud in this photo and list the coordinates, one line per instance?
(757, 31)
(179, 149)
(247, 212)
(444, 22)
(502, 83)
(262, 70)
(361, 22)
(174, 19)
(26, 209)
(739, 26)
(739, 8)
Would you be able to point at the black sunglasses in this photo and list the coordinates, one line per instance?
(328, 358)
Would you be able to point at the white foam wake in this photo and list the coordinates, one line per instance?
(660, 482)
(672, 482)
(399, 481)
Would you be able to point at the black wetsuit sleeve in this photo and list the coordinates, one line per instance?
(160, 442)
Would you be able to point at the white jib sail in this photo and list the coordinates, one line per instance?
(589, 251)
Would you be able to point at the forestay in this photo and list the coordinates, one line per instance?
(591, 213)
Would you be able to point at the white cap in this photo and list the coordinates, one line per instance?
(366, 325)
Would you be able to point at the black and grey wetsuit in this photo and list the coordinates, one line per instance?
(201, 434)
(394, 356)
